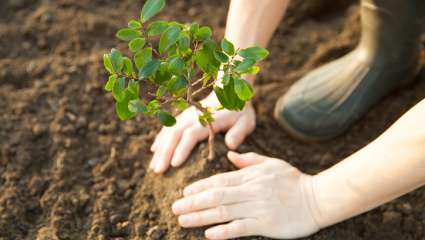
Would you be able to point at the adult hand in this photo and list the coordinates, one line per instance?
(266, 197)
(174, 144)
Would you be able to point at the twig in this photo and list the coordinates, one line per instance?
(202, 89)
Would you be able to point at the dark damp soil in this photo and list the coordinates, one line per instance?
(70, 170)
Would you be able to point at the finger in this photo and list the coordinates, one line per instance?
(246, 159)
(155, 142)
(227, 179)
(162, 156)
(244, 126)
(220, 214)
(191, 136)
(237, 228)
(154, 146)
(214, 198)
(183, 121)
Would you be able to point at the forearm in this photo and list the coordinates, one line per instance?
(389, 167)
(252, 22)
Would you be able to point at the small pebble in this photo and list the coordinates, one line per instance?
(391, 216)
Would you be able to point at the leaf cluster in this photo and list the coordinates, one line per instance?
(173, 62)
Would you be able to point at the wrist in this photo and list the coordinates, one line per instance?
(310, 200)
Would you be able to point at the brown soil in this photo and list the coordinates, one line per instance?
(70, 170)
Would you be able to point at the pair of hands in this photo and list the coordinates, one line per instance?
(265, 197)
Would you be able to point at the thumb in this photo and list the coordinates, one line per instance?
(245, 159)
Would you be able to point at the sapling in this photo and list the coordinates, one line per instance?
(172, 72)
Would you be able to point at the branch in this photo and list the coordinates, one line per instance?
(202, 89)
(198, 81)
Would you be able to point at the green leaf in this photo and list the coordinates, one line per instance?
(136, 44)
(153, 106)
(221, 57)
(133, 24)
(107, 63)
(184, 42)
(110, 83)
(226, 79)
(142, 57)
(162, 90)
(157, 28)
(219, 92)
(168, 38)
(118, 90)
(243, 89)
(151, 8)
(177, 85)
(134, 87)
(166, 119)
(180, 104)
(149, 69)
(252, 70)
(122, 108)
(206, 118)
(245, 65)
(256, 53)
(116, 60)
(176, 65)
(203, 33)
(177, 24)
(194, 27)
(228, 98)
(206, 61)
(235, 102)
(128, 66)
(128, 34)
(227, 47)
(163, 74)
(137, 106)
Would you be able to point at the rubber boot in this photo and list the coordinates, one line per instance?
(328, 100)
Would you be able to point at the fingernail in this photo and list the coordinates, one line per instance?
(210, 234)
(176, 207)
(229, 153)
(157, 168)
(184, 220)
(173, 163)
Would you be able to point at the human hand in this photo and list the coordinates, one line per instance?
(267, 197)
(173, 144)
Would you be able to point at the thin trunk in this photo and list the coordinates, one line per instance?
(211, 152)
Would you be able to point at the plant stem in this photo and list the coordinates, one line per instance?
(199, 107)
(211, 152)
(202, 89)
(189, 98)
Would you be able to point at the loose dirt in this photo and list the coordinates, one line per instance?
(69, 169)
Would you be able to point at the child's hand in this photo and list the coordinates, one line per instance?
(268, 197)
(173, 145)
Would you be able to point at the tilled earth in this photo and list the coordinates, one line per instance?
(69, 169)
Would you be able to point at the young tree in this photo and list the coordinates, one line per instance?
(183, 64)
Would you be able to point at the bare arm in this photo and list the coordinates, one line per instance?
(389, 167)
(252, 22)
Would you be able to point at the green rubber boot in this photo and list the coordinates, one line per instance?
(328, 100)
